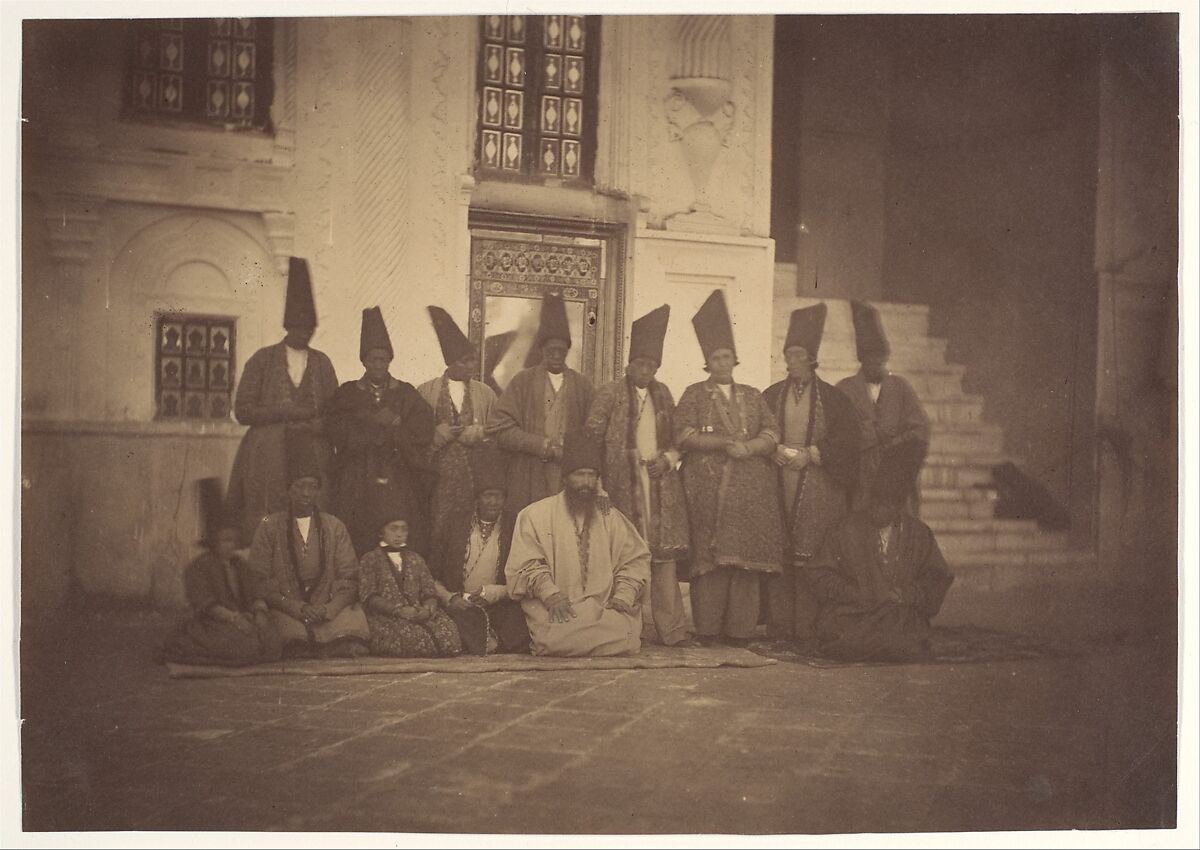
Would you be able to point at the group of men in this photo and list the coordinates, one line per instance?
(555, 518)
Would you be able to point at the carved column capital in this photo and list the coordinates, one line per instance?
(281, 234)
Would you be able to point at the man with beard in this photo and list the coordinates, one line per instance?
(634, 417)
(880, 576)
(817, 457)
(888, 408)
(540, 405)
(578, 565)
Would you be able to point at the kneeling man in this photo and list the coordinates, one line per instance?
(880, 576)
(303, 565)
(578, 565)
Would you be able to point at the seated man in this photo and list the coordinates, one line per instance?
(880, 577)
(467, 562)
(578, 565)
(303, 565)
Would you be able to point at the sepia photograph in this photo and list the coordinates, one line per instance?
(524, 421)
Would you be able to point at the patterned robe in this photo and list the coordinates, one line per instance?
(518, 422)
(376, 464)
(814, 498)
(732, 504)
(895, 418)
(610, 560)
(274, 577)
(613, 419)
(410, 585)
(454, 484)
(877, 604)
(203, 639)
(266, 395)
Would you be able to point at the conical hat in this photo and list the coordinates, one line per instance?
(806, 328)
(646, 335)
(299, 311)
(869, 338)
(374, 333)
(454, 343)
(713, 328)
(553, 323)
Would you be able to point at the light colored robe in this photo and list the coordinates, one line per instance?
(544, 559)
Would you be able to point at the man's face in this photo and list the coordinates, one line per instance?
(581, 486)
(395, 533)
(799, 364)
(720, 365)
(298, 337)
(641, 371)
(874, 369)
(376, 363)
(226, 543)
(302, 495)
(554, 355)
(462, 369)
(488, 504)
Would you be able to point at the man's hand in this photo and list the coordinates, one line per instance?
(800, 461)
(445, 433)
(243, 623)
(405, 612)
(301, 413)
(430, 607)
(560, 608)
(471, 434)
(552, 450)
(493, 593)
(622, 606)
(383, 417)
(259, 606)
(312, 614)
(782, 457)
(658, 467)
(737, 450)
(459, 603)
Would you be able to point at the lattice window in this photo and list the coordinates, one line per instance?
(211, 70)
(537, 95)
(194, 366)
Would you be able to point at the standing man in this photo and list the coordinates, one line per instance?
(728, 435)
(461, 406)
(880, 576)
(539, 406)
(817, 460)
(578, 566)
(285, 387)
(303, 566)
(888, 409)
(381, 430)
(634, 417)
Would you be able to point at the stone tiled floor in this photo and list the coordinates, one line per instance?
(111, 743)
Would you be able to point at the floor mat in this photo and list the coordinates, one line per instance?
(651, 657)
(950, 645)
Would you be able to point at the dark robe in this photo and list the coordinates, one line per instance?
(812, 509)
(411, 585)
(505, 618)
(878, 605)
(377, 465)
(896, 417)
(612, 419)
(518, 422)
(266, 400)
(203, 639)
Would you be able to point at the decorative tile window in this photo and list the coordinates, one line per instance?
(194, 366)
(210, 70)
(537, 95)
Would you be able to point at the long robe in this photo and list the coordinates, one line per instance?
(518, 422)
(275, 579)
(657, 507)
(878, 604)
(448, 565)
(546, 558)
(896, 417)
(451, 463)
(265, 398)
(410, 585)
(202, 638)
(378, 465)
(732, 504)
(815, 497)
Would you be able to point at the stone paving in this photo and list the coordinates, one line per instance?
(110, 743)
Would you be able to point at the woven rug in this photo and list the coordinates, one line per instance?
(650, 658)
(950, 645)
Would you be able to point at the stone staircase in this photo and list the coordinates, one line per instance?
(958, 500)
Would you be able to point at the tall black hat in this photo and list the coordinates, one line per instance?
(646, 335)
(299, 311)
(374, 333)
(454, 343)
(713, 328)
(806, 329)
(869, 338)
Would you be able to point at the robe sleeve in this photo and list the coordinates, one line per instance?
(197, 585)
(932, 580)
(248, 404)
(840, 446)
(368, 575)
(527, 570)
(326, 383)
(427, 589)
(507, 419)
(825, 573)
(345, 566)
(263, 583)
(687, 415)
(483, 399)
(768, 426)
(414, 434)
(605, 399)
(914, 423)
(630, 558)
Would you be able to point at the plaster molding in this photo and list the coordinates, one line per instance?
(72, 226)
